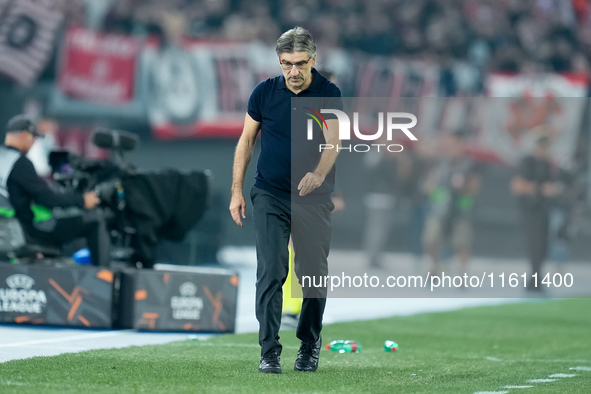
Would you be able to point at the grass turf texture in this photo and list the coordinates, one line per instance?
(476, 349)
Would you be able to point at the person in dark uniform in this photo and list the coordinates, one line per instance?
(21, 188)
(536, 187)
(452, 184)
(291, 195)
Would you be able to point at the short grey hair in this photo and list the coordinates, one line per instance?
(297, 39)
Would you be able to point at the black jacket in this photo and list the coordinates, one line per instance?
(26, 187)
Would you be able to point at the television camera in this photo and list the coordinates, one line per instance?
(141, 207)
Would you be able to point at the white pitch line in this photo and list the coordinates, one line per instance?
(529, 360)
(249, 345)
(517, 387)
(553, 361)
(586, 369)
(64, 339)
(491, 392)
(203, 343)
(540, 380)
(562, 375)
(69, 348)
(11, 383)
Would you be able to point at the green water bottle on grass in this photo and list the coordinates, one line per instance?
(344, 346)
(390, 346)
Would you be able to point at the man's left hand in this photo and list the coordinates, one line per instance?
(310, 182)
(550, 189)
(91, 200)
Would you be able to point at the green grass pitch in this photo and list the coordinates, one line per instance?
(472, 350)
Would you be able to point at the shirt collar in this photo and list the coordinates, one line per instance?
(315, 86)
(11, 147)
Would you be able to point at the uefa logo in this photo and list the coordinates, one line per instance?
(188, 289)
(20, 281)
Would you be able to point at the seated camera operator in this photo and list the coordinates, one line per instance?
(21, 187)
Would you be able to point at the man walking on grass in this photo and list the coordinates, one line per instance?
(289, 197)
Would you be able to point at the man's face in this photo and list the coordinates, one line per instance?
(27, 141)
(542, 151)
(297, 73)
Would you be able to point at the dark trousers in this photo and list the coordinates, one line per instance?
(310, 227)
(90, 225)
(536, 223)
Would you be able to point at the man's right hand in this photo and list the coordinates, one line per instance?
(521, 187)
(550, 189)
(91, 200)
(238, 208)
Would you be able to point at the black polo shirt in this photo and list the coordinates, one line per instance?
(538, 171)
(271, 104)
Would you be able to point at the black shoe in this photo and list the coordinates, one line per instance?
(270, 363)
(307, 360)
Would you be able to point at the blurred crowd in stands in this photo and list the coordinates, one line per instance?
(499, 35)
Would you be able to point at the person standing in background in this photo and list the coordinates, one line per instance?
(536, 187)
(411, 170)
(452, 185)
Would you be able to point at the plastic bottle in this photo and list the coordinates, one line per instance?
(390, 346)
(343, 346)
(82, 257)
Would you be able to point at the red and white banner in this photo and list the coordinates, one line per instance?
(201, 90)
(27, 37)
(99, 67)
(522, 107)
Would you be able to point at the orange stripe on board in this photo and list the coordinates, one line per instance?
(74, 307)
(78, 290)
(149, 315)
(216, 302)
(187, 326)
(105, 275)
(84, 321)
(61, 291)
(234, 280)
(141, 295)
(166, 277)
(21, 319)
(218, 308)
